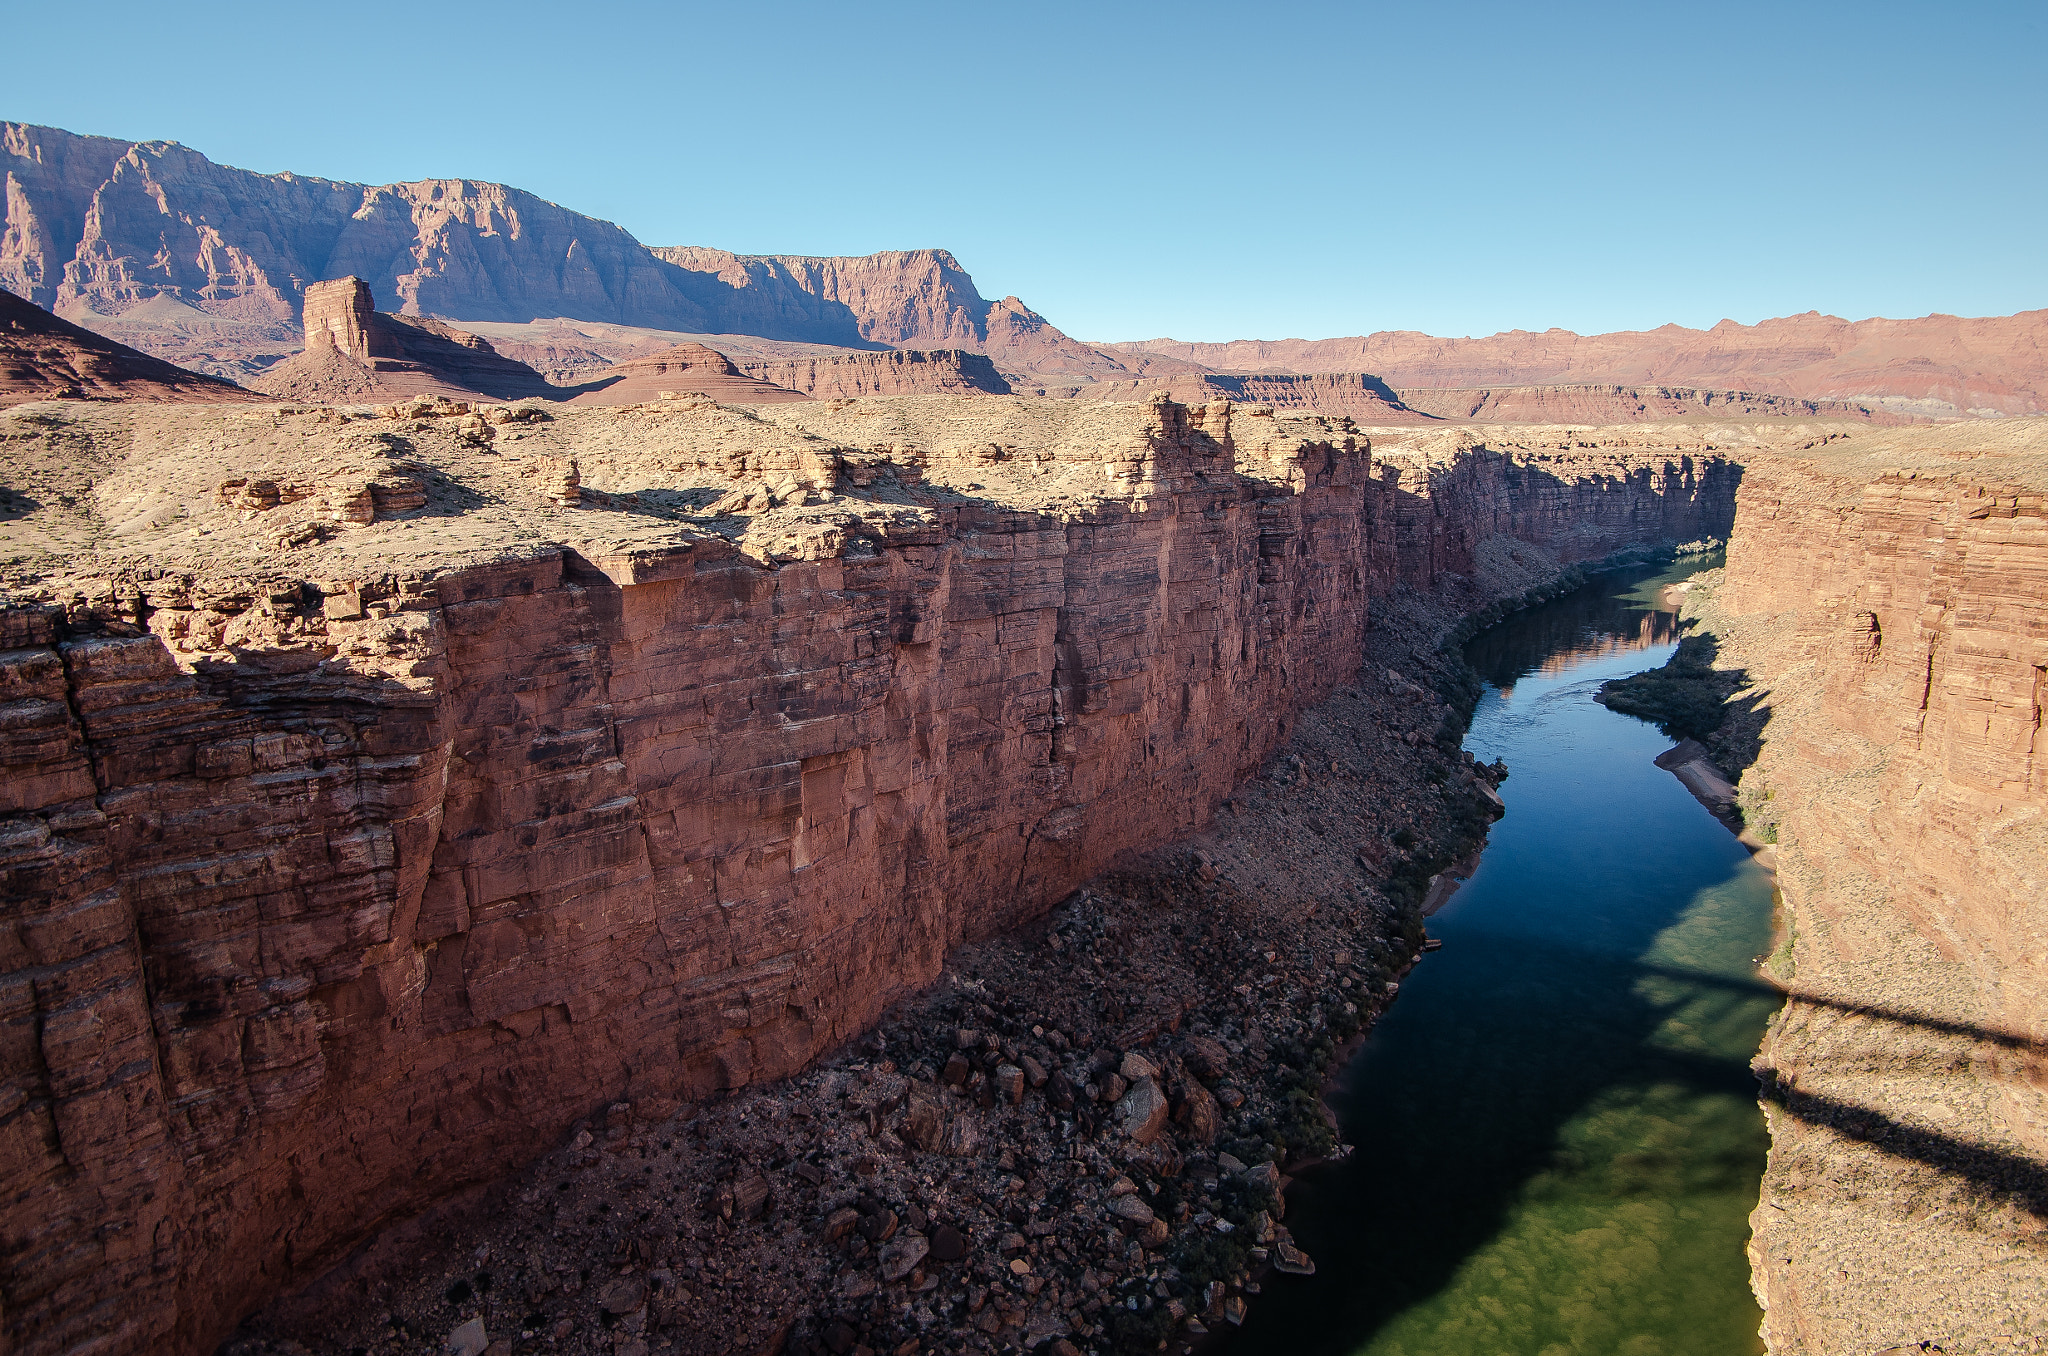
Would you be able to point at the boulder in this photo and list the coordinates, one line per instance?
(901, 1257)
(1141, 1112)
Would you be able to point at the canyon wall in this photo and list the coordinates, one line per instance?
(1356, 395)
(889, 373)
(1888, 606)
(328, 898)
(1627, 404)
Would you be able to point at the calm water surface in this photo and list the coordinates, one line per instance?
(1558, 1141)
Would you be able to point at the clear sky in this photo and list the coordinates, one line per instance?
(1195, 170)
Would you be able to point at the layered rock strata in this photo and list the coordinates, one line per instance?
(347, 867)
(689, 368)
(1936, 365)
(849, 376)
(1354, 395)
(45, 358)
(354, 352)
(1601, 404)
(1887, 610)
(205, 264)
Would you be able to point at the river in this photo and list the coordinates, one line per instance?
(1557, 1135)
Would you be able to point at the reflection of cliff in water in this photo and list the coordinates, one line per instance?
(1616, 613)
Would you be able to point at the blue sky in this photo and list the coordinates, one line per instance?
(1194, 170)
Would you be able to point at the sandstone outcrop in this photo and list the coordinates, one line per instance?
(1630, 404)
(1887, 608)
(202, 264)
(685, 369)
(89, 218)
(1354, 395)
(915, 299)
(1937, 365)
(349, 871)
(45, 358)
(353, 352)
(848, 376)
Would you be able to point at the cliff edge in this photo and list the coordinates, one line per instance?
(387, 792)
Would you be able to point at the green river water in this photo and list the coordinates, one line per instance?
(1557, 1136)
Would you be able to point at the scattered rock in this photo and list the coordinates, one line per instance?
(1142, 1111)
(947, 1245)
(467, 1340)
(1010, 1083)
(1292, 1260)
(622, 1296)
(901, 1257)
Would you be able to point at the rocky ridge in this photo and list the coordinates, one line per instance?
(849, 376)
(45, 358)
(686, 368)
(88, 219)
(354, 352)
(204, 265)
(1933, 366)
(374, 738)
(1630, 404)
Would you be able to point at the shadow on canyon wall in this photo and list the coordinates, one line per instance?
(1986, 1168)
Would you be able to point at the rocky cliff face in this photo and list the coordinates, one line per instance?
(686, 367)
(1936, 365)
(1353, 395)
(1629, 404)
(1888, 605)
(206, 263)
(342, 881)
(894, 372)
(914, 299)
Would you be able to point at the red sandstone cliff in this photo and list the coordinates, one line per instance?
(203, 262)
(1350, 394)
(1934, 365)
(336, 889)
(1886, 601)
(893, 372)
(684, 368)
(915, 298)
(1629, 404)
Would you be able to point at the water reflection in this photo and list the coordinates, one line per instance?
(1557, 1135)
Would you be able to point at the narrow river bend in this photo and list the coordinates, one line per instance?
(1557, 1137)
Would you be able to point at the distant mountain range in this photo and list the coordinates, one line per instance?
(155, 246)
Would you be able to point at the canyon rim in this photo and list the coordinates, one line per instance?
(704, 802)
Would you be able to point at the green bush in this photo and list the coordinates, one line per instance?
(1684, 698)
